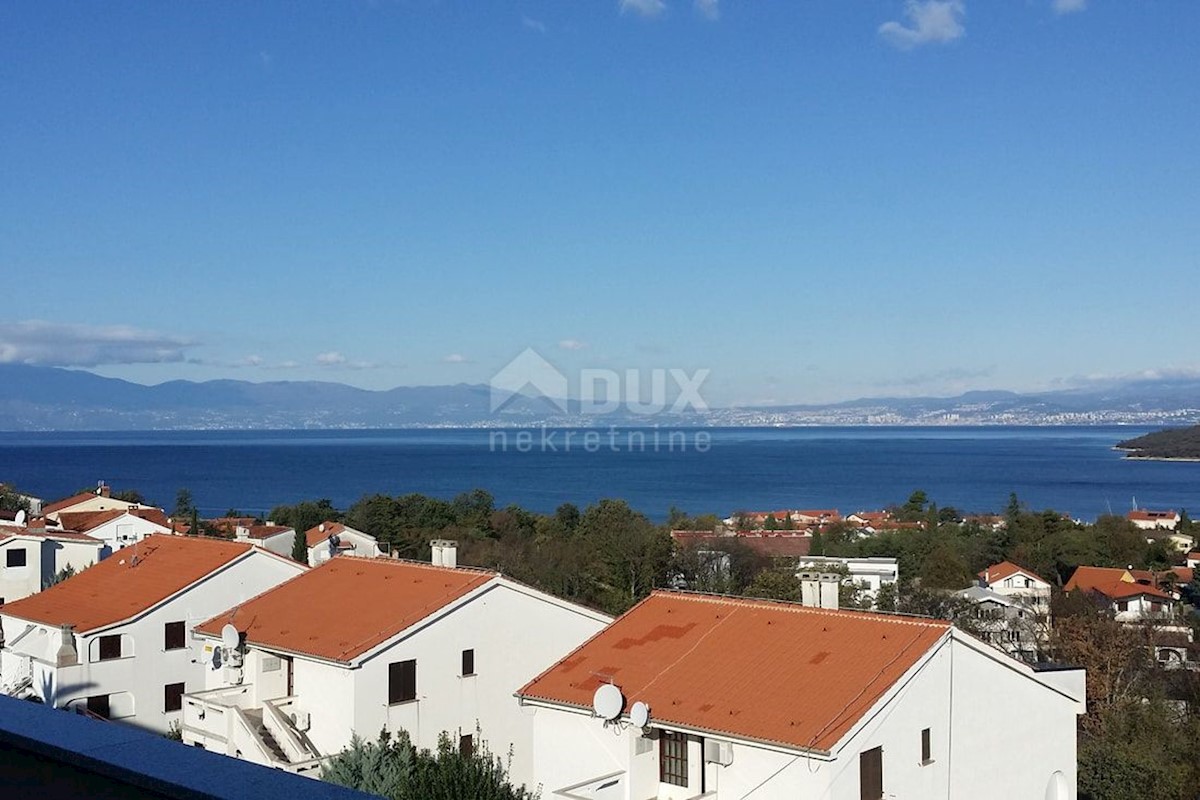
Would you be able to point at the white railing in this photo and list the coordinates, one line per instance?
(606, 787)
(277, 722)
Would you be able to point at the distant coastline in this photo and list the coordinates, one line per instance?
(1173, 444)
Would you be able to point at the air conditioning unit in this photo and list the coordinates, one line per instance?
(718, 752)
(301, 720)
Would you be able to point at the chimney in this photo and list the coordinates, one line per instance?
(67, 656)
(819, 589)
(445, 553)
(105, 490)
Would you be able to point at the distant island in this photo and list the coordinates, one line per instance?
(1175, 444)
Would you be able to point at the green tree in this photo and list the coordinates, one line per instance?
(300, 547)
(631, 554)
(184, 506)
(775, 584)
(130, 496)
(394, 768)
(307, 514)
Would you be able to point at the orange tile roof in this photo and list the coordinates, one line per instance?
(1110, 582)
(67, 502)
(1184, 574)
(1145, 515)
(761, 670)
(118, 587)
(89, 520)
(315, 536)
(308, 614)
(265, 531)
(8, 531)
(998, 572)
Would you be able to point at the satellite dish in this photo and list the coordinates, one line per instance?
(321, 527)
(639, 714)
(608, 701)
(230, 637)
(20, 518)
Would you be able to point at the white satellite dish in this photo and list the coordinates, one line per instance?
(639, 714)
(20, 518)
(321, 527)
(608, 701)
(230, 637)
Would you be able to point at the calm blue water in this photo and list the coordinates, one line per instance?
(1072, 469)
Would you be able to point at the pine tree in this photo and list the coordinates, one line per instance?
(300, 548)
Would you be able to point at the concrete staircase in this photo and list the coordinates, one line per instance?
(254, 716)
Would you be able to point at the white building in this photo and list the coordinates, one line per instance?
(1131, 599)
(279, 539)
(98, 500)
(117, 527)
(763, 700)
(31, 558)
(358, 645)
(868, 574)
(330, 538)
(1007, 623)
(1149, 520)
(1016, 582)
(114, 639)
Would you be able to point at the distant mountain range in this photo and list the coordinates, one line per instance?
(48, 398)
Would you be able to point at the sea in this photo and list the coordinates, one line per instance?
(720, 470)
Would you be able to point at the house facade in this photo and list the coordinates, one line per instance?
(869, 575)
(333, 538)
(278, 539)
(30, 558)
(116, 527)
(1130, 599)
(1006, 623)
(1018, 583)
(689, 696)
(1149, 520)
(114, 640)
(359, 645)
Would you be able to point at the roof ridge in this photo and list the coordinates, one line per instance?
(795, 606)
(412, 562)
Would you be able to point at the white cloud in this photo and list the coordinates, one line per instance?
(251, 361)
(571, 344)
(331, 359)
(456, 358)
(533, 24)
(1068, 6)
(709, 9)
(926, 22)
(60, 344)
(644, 8)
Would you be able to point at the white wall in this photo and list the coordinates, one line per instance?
(125, 530)
(365, 546)
(18, 582)
(955, 693)
(146, 667)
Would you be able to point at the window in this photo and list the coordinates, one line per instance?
(16, 557)
(870, 774)
(402, 682)
(1122, 606)
(468, 662)
(110, 647)
(926, 749)
(98, 705)
(174, 636)
(173, 697)
(673, 758)
(466, 746)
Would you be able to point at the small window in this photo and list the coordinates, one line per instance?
(16, 557)
(673, 758)
(466, 746)
(402, 682)
(1122, 606)
(926, 749)
(174, 636)
(173, 697)
(870, 774)
(468, 662)
(98, 705)
(110, 647)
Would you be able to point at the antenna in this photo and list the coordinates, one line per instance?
(20, 518)
(639, 714)
(608, 701)
(230, 637)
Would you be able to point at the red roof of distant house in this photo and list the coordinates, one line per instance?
(872, 516)
(229, 525)
(265, 531)
(1184, 574)
(818, 513)
(90, 520)
(128, 582)
(1145, 515)
(781, 544)
(308, 614)
(1005, 569)
(8, 531)
(320, 533)
(1110, 582)
(67, 502)
(761, 670)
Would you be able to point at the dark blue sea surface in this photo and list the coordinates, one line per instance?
(1072, 469)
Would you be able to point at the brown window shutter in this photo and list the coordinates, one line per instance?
(870, 774)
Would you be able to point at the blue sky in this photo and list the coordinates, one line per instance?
(813, 200)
